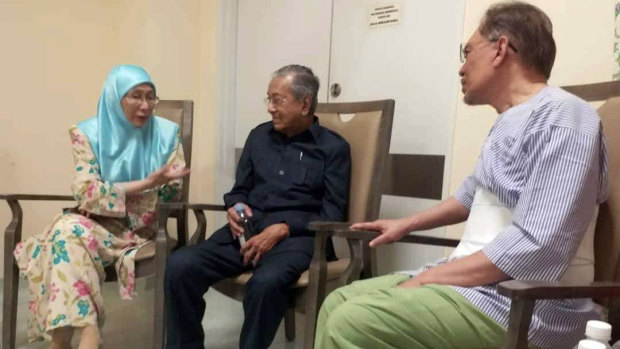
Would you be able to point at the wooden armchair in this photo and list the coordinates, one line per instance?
(150, 259)
(607, 237)
(368, 133)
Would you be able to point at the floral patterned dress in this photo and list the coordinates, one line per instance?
(65, 264)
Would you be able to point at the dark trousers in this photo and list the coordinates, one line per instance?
(190, 272)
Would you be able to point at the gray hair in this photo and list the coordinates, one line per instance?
(528, 28)
(304, 83)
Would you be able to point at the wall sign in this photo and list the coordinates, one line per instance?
(381, 16)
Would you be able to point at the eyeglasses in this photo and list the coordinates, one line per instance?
(152, 101)
(464, 50)
(276, 101)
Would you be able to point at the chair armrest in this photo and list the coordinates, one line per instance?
(557, 289)
(524, 294)
(36, 197)
(323, 226)
(164, 212)
(341, 229)
(201, 227)
(206, 207)
(171, 206)
(191, 206)
(13, 232)
(201, 219)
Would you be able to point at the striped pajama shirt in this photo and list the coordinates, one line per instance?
(545, 159)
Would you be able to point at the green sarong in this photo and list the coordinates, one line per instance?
(375, 313)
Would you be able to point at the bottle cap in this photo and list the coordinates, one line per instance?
(239, 207)
(599, 330)
(590, 344)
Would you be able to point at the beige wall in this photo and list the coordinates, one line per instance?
(584, 35)
(55, 57)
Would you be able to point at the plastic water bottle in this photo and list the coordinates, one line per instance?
(244, 221)
(596, 332)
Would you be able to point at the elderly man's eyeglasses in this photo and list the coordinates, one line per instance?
(276, 101)
(152, 101)
(466, 49)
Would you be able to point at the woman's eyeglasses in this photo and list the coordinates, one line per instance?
(137, 100)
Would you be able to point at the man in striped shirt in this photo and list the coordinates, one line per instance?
(543, 166)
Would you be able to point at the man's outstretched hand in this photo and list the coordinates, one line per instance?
(391, 230)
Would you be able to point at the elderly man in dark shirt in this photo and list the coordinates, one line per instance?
(292, 171)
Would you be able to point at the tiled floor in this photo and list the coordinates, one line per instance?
(129, 323)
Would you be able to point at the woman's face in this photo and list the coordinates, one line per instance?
(138, 104)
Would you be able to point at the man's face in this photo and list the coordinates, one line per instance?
(477, 71)
(288, 114)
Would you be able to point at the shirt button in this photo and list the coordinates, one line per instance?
(281, 172)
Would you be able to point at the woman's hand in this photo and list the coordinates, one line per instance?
(166, 174)
(162, 176)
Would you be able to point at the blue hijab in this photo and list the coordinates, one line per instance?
(125, 152)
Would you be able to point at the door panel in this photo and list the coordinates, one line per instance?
(271, 34)
(414, 62)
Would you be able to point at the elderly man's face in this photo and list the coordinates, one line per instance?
(477, 70)
(287, 113)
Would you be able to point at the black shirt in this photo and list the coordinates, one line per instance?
(293, 180)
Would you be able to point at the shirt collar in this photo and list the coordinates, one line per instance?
(314, 131)
(315, 128)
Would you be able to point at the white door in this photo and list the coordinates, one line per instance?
(272, 34)
(415, 62)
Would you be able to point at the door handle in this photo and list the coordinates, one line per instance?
(335, 89)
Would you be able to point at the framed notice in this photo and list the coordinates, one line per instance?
(384, 15)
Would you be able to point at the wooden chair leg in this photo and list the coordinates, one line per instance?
(289, 324)
(9, 313)
(518, 323)
(316, 288)
(159, 325)
(12, 235)
(614, 319)
(159, 318)
(161, 256)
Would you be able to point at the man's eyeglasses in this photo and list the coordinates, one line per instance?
(152, 101)
(276, 101)
(464, 50)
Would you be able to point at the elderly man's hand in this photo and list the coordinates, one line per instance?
(260, 244)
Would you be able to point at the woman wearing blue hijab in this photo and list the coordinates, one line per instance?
(126, 160)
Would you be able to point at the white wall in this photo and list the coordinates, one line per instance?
(55, 57)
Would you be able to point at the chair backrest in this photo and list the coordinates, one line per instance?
(607, 236)
(367, 126)
(181, 112)
(607, 233)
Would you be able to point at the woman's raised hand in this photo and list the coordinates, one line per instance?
(166, 174)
